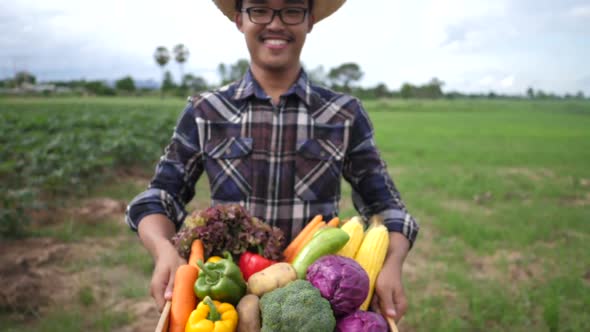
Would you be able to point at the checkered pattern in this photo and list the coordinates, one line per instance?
(283, 162)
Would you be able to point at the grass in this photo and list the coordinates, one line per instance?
(501, 190)
(75, 229)
(490, 178)
(128, 254)
(86, 296)
(59, 320)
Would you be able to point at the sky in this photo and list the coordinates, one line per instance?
(473, 46)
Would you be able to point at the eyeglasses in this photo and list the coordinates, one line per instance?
(265, 15)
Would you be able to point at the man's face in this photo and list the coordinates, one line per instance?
(274, 46)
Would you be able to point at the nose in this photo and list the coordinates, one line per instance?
(276, 21)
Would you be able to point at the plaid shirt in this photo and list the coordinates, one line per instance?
(283, 162)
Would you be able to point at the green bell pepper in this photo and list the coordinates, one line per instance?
(221, 280)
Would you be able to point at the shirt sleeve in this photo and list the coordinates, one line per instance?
(176, 174)
(373, 190)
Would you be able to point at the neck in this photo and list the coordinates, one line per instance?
(275, 83)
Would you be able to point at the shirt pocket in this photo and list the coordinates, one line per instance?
(318, 168)
(228, 166)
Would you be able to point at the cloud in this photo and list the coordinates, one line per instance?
(486, 81)
(507, 82)
(582, 11)
(455, 34)
(584, 82)
(492, 81)
(108, 39)
(470, 44)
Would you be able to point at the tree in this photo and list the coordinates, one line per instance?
(98, 88)
(345, 74)
(239, 69)
(168, 82)
(222, 71)
(233, 72)
(580, 95)
(318, 76)
(181, 54)
(24, 77)
(194, 83)
(540, 94)
(407, 91)
(125, 84)
(433, 89)
(530, 93)
(381, 90)
(162, 56)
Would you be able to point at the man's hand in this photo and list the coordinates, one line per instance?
(389, 298)
(155, 232)
(162, 282)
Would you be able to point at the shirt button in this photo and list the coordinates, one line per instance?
(322, 154)
(227, 152)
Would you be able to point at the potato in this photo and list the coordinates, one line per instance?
(273, 277)
(248, 314)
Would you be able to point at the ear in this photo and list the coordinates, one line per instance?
(238, 21)
(310, 23)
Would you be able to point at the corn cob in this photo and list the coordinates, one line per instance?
(371, 254)
(355, 229)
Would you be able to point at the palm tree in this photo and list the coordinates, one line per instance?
(162, 56)
(181, 54)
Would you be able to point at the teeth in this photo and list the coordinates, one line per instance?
(276, 41)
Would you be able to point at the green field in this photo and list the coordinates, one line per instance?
(501, 189)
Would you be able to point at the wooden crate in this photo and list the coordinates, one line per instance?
(164, 318)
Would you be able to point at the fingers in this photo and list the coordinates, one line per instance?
(169, 288)
(386, 302)
(390, 299)
(375, 305)
(401, 303)
(157, 288)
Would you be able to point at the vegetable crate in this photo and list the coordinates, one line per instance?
(164, 318)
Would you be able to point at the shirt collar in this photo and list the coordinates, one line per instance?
(248, 86)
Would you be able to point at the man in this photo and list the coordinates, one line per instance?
(276, 144)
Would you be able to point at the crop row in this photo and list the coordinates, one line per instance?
(54, 148)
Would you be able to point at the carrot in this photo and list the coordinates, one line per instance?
(289, 250)
(305, 240)
(334, 222)
(197, 252)
(184, 300)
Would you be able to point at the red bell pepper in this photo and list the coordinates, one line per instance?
(251, 263)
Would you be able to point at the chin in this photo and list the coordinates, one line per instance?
(275, 67)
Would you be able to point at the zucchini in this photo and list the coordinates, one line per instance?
(326, 242)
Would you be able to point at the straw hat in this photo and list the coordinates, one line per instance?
(321, 8)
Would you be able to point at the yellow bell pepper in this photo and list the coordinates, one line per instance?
(212, 316)
(214, 259)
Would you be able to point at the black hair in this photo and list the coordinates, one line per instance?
(239, 5)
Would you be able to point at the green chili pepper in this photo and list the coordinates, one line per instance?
(221, 280)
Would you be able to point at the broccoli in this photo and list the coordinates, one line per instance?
(296, 307)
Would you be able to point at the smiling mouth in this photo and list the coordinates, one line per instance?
(275, 42)
(274, 39)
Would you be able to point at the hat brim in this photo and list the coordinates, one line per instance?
(321, 8)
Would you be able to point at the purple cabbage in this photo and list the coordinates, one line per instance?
(342, 281)
(362, 321)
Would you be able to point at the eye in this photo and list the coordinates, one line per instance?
(259, 11)
(294, 12)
